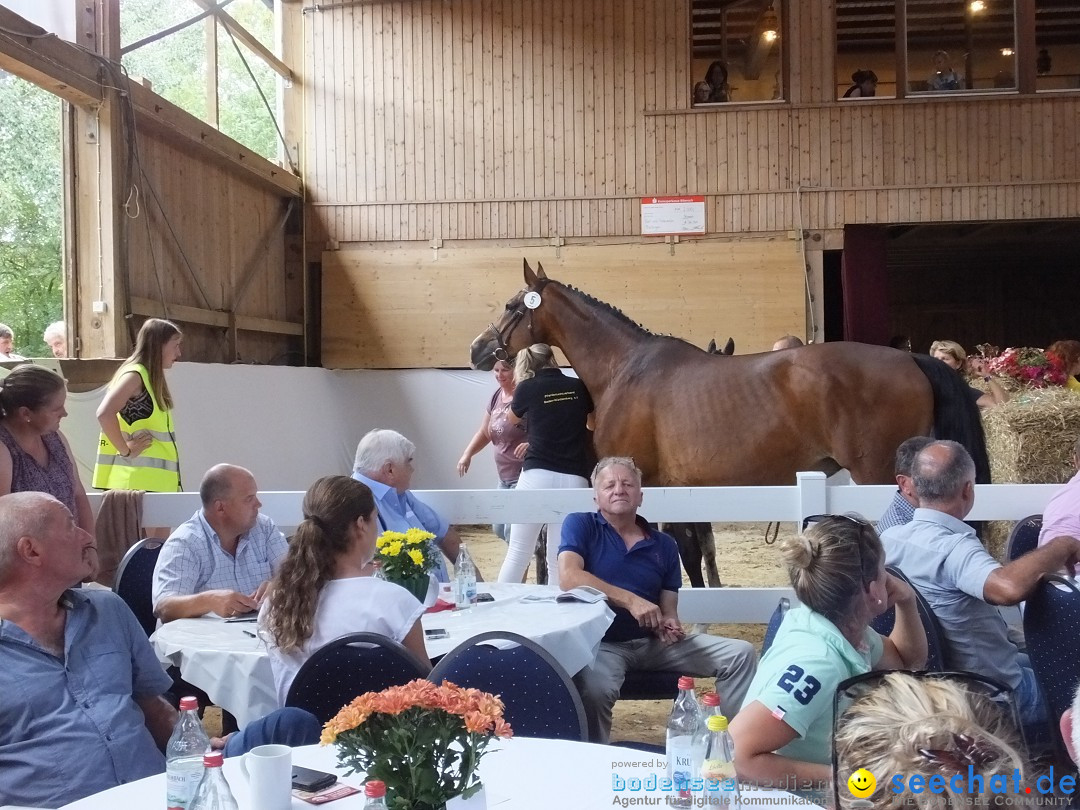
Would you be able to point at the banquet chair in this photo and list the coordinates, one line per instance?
(346, 668)
(135, 578)
(1052, 629)
(540, 698)
(1024, 537)
(775, 621)
(935, 645)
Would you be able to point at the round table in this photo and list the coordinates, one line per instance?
(229, 661)
(518, 774)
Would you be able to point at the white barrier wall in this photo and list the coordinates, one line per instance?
(290, 426)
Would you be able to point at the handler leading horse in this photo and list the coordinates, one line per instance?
(693, 419)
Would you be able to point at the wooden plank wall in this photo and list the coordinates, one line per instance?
(222, 228)
(414, 307)
(485, 119)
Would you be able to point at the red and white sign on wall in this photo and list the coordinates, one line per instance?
(672, 216)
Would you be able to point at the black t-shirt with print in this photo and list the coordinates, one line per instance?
(557, 407)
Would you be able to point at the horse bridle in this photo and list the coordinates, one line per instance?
(502, 353)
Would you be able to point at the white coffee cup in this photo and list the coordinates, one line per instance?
(268, 769)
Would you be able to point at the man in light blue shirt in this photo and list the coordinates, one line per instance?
(948, 564)
(81, 706)
(384, 462)
(221, 560)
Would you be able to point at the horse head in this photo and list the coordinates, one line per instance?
(728, 350)
(518, 327)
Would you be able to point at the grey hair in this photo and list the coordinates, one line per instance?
(935, 482)
(56, 329)
(380, 446)
(533, 359)
(614, 461)
(21, 515)
(218, 482)
(5, 331)
(906, 453)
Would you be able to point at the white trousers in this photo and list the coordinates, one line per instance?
(523, 535)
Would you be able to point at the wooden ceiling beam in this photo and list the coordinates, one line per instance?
(249, 39)
(48, 61)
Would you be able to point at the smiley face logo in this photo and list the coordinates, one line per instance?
(861, 783)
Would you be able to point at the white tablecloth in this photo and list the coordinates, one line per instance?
(232, 667)
(518, 774)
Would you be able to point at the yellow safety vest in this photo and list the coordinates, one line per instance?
(157, 468)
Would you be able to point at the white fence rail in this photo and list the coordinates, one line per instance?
(810, 496)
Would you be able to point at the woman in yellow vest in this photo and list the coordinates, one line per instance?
(137, 445)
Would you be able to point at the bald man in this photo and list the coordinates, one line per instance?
(787, 342)
(220, 560)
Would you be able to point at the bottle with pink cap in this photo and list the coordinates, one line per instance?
(684, 751)
(375, 791)
(184, 756)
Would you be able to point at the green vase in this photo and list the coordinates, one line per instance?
(416, 585)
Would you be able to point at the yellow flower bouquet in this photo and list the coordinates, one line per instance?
(424, 741)
(407, 558)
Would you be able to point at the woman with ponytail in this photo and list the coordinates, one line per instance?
(321, 590)
(837, 568)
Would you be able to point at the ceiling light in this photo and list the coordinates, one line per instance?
(770, 35)
(770, 25)
(1007, 51)
(976, 6)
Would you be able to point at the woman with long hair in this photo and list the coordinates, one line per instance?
(953, 355)
(34, 455)
(137, 445)
(321, 592)
(837, 568)
(507, 439)
(558, 409)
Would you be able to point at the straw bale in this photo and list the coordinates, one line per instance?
(1029, 440)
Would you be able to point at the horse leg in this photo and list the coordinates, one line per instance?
(541, 557)
(707, 544)
(689, 550)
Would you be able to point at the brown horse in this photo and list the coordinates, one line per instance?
(693, 419)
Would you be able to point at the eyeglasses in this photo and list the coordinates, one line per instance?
(964, 751)
(862, 524)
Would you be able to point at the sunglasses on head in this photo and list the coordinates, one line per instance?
(861, 525)
(961, 752)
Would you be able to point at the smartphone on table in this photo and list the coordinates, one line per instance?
(311, 780)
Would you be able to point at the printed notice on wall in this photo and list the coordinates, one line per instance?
(672, 216)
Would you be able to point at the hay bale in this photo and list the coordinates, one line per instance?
(1029, 440)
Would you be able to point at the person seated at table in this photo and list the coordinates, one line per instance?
(1061, 517)
(384, 462)
(616, 551)
(83, 708)
(924, 727)
(221, 560)
(837, 568)
(905, 501)
(321, 591)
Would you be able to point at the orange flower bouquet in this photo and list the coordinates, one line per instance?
(424, 741)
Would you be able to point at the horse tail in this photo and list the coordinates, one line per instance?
(956, 416)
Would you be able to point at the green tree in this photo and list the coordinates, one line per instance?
(31, 212)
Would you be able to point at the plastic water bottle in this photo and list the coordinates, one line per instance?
(213, 792)
(184, 756)
(718, 767)
(465, 580)
(378, 573)
(684, 753)
(710, 705)
(375, 791)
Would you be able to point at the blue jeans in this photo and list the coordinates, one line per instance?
(502, 530)
(288, 726)
(1032, 708)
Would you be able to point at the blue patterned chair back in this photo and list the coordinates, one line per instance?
(775, 621)
(346, 668)
(134, 581)
(1052, 631)
(540, 698)
(1024, 537)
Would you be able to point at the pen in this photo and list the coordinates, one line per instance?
(249, 633)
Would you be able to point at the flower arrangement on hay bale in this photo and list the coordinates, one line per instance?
(1035, 368)
(424, 741)
(407, 558)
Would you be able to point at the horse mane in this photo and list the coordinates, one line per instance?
(621, 316)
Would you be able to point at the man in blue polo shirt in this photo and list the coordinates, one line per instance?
(618, 552)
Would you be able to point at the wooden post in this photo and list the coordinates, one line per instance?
(1026, 49)
(212, 109)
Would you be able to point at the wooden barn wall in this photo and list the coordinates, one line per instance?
(414, 307)
(485, 119)
(224, 230)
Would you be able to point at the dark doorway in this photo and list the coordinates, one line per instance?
(833, 300)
